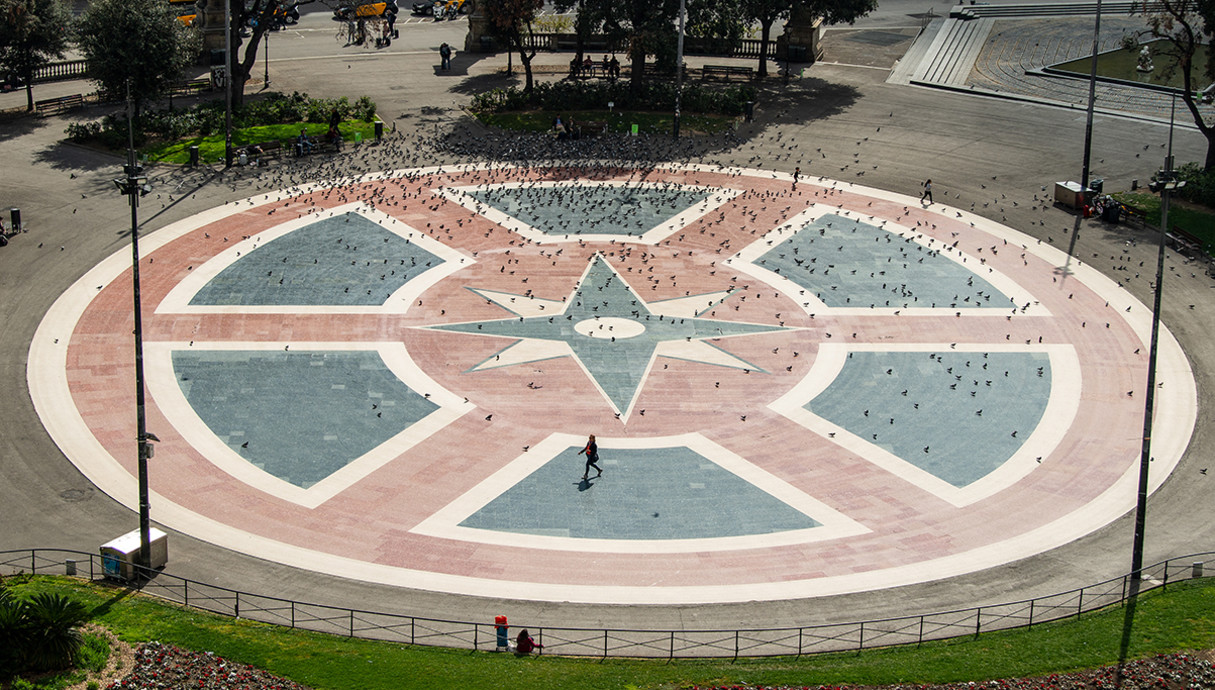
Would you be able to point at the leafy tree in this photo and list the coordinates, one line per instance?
(136, 42)
(509, 20)
(259, 16)
(1187, 26)
(766, 12)
(32, 33)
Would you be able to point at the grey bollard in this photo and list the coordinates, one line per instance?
(1196, 569)
(69, 567)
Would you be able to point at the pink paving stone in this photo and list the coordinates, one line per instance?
(373, 518)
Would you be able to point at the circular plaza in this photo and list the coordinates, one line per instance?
(799, 387)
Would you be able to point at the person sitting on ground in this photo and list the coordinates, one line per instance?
(524, 644)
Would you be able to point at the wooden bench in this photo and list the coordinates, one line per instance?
(192, 87)
(1186, 241)
(591, 129)
(270, 150)
(63, 104)
(726, 72)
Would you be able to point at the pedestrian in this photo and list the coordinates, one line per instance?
(927, 192)
(445, 55)
(524, 644)
(592, 458)
(797, 174)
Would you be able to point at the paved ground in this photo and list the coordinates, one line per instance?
(888, 137)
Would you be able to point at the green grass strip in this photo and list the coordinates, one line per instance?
(617, 121)
(1199, 223)
(211, 147)
(1180, 618)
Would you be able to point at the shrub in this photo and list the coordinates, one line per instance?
(39, 633)
(1199, 184)
(570, 95)
(207, 118)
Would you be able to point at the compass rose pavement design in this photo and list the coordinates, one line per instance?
(797, 389)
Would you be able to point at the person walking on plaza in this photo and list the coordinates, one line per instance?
(592, 457)
(445, 55)
(927, 192)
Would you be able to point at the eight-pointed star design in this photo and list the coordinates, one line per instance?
(610, 331)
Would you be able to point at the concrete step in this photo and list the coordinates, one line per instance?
(917, 55)
(1061, 9)
(954, 52)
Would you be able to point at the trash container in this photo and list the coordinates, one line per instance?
(500, 628)
(750, 112)
(797, 53)
(379, 130)
(1112, 213)
(1096, 185)
(487, 44)
(194, 157)
(119, 556)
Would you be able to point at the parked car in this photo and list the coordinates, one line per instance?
(441, 9)
(365, 10)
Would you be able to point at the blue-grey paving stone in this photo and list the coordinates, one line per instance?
(346, 260)
(592, 209)
(848, 263)
(304, 415)
(658, 493)
(950, 390)
(616, 365)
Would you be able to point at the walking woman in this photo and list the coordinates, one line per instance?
(592, 457)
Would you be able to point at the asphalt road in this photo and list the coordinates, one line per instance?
(964, 143)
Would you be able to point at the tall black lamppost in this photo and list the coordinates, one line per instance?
(679, 68)
(134, 184)
(1088, 128)
(1165, 183)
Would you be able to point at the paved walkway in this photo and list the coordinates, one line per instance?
(845, 123)
(812, 388)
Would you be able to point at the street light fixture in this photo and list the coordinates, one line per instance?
(1166, 182)
(135, 185)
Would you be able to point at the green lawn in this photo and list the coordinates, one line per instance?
(1198, 222)
(542, 120)
(1181, 618)
(211, 147)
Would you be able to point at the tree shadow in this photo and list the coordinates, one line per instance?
(487, 82)
(802, 99)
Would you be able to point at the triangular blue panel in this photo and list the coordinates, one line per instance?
(956, 415)
(654, 493)
(584, 208)
(299, 416)
(848, 263)
(347, 260)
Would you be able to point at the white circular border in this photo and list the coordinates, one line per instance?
(1176, 414)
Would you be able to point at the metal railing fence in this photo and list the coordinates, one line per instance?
(621, 642)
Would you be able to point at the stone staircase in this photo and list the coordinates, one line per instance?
(952, 53)
(1058, 9)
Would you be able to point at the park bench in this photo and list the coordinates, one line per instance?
(271, 150)
(592, 129)
(192, 87)
(63, 104)
(1185, 241)
(726, 72)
